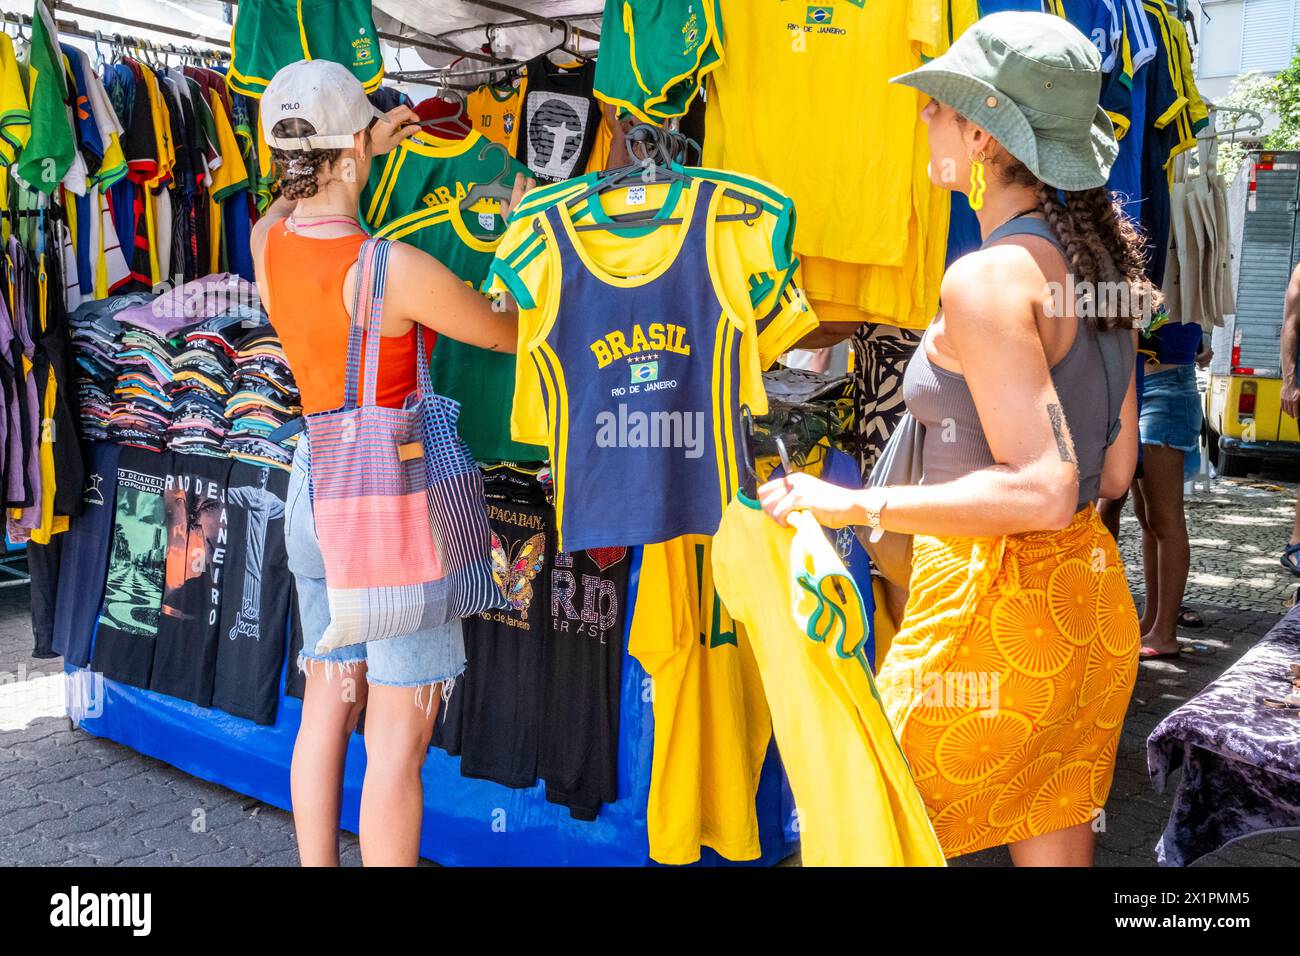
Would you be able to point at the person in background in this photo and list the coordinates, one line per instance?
(1291, 399)
(324, 134)
(1171, 439)
(1030, 415)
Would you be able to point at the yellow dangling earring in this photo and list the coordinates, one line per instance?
(977, 184)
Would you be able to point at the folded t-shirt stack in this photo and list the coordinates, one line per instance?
(96, 339)
(142, 408)
(264, 400)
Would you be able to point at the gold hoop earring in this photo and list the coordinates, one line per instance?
(977, 182)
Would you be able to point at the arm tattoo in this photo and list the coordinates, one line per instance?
(1057, 419)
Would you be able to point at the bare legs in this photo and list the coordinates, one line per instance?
(392, 797)
(330, 710)
(1072, 846)
(1166, 554)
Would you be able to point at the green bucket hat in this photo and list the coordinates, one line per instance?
(1033, 81)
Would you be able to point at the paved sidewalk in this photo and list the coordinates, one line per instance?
(69, 798)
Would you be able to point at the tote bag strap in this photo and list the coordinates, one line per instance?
(367, 321)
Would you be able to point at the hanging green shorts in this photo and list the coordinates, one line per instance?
(654, 54)
(271, 34)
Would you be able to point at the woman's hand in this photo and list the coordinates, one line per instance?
(523, 184)
(831, 505)
(402, 123)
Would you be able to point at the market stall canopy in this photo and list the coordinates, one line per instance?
(515, 30)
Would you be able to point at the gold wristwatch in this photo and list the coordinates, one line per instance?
(873, 504)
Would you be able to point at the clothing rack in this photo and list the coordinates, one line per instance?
(72, 28)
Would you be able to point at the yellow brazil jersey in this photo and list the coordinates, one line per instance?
(712, 725)
(15, 117)
(494, 111)
(756, 257)
(858, 804)
(802, 100)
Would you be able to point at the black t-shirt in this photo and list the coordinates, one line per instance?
(194, 507)
(128, 621)
(295, 681)
(85, 558)
(493, 718)
(559, 120)
(256, 595)
(582, 669)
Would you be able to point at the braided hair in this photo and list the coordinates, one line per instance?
(300, 169)
(1102, 245)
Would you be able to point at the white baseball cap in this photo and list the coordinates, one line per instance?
(323, 94)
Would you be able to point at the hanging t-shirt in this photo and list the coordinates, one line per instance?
(498, 701)
(51, 152)
(295, 681)
(15, 117)
(85, 558)
(194, 507)
(128, 622)
(494, 111)
(560, 118)
(782, 107)
(256, 596)
(712, 725)
(582, 670)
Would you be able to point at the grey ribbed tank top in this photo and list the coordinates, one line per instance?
(1090, 381)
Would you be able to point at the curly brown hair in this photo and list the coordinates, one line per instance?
(300, 169)
(1102, 245)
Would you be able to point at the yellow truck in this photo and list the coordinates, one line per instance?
(1243, 413)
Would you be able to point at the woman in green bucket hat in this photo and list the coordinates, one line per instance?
(1011, 672)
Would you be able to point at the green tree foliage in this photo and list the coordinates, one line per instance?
(1276, 95)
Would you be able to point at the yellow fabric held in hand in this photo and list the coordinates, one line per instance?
(712, 725)
(858, 804)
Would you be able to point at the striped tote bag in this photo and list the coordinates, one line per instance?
(397, 499)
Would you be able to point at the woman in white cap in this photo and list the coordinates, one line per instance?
(324, 133)
(1008, 681)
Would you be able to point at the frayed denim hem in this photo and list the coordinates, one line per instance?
(305, 665)
(448, 684)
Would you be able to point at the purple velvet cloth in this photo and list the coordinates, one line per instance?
(1240, 759)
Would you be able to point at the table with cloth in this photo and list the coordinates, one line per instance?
(1240, 759)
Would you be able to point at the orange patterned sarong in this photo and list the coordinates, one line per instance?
(1008, 681)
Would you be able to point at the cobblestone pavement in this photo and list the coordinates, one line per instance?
(69, 798)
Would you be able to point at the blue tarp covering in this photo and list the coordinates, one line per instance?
(466, 822)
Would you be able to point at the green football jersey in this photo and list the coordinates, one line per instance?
(415, 198)
(654, 55)
(271, 34)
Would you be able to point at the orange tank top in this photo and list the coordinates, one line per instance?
(304, 299)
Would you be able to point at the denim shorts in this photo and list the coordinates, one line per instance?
(414, 660)
(1171, 414)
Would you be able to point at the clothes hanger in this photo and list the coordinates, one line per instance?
(453, 126)
(497, 187)
(652, 165)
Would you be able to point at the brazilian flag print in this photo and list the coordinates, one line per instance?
(820, 15)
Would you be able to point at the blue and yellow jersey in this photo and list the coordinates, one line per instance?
(1099, 20)
(1176, 111)
(634, 359)
(760, 274)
